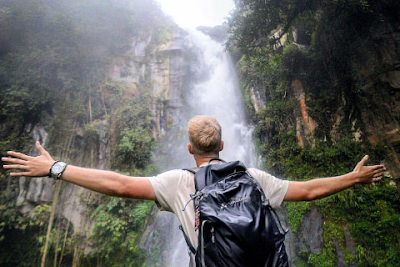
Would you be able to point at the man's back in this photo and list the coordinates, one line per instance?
(173, 189)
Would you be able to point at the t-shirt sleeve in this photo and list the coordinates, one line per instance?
(165, 186)
(274, 188)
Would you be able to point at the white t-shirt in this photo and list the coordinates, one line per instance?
(173, 189)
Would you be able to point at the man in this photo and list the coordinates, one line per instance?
(171, 190)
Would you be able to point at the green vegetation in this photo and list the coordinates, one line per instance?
(116, 233)
(133, 130)
(56, 59)
(331, 50)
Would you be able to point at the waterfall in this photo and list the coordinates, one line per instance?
(216, 94)
(219, 96)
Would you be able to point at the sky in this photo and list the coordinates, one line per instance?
(193, 13)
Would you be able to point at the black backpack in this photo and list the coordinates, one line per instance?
(236, 224)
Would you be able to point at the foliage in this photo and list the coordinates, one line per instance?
(135, 147)
(21, 236)
(262, 24)
(331, 48)
(55, 61)
(296, 212)
(135, 141)
(321, 260)
(116, 233)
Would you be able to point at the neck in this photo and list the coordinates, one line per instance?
(200, 160)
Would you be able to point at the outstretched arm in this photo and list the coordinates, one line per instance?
(323, 187)
(106, 182)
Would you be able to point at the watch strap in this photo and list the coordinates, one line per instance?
(57, 176)
(50, 175)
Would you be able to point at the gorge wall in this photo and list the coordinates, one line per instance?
(321, 82)
(94, 97)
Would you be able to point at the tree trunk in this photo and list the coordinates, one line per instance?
(64, 243)
(53, 209)
(74, 258)
(102, 99)
(90, 107)
(56, 245)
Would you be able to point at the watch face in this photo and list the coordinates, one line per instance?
(57, 168)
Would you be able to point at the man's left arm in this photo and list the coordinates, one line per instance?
(105, 182)
(323, 187)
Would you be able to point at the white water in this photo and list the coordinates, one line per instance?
(219, 96)
(216, 95)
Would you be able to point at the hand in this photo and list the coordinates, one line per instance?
(30, 166)
(368, 174)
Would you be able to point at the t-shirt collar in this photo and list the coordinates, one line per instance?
(212, 162)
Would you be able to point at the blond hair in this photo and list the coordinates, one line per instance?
(205, 135)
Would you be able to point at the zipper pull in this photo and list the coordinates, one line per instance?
(192, 197)
(212, 234)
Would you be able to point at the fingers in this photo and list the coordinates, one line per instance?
(29, 166)
(43, 151)
(20, 174)
(361, 163)
(40, 148)
(20, 167)
(14, 160)
(364, 159)
(18, 155)
(379, 168)
(379, 172)
(377, 179)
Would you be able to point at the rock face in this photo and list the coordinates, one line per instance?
(383, 117)
(217, 33)
(257, 99)
(164, 68)
(379, 125)
(311, 238)
(305, 125)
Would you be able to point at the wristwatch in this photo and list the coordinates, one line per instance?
(57, 169)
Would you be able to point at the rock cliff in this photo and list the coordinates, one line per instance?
(296, 106)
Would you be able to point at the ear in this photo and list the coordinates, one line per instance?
(222, 145)
(189, 146)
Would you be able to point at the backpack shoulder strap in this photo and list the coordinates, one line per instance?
(194, 170)
(189, 244)
(200, 183)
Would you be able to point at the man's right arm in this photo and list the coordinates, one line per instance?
(110, 183)
(323, 187)
(106, 182)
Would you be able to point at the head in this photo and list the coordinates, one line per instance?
(205, 136)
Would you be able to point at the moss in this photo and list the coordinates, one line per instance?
(323, 259)
(296, 211)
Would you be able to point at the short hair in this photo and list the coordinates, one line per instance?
(205, 135)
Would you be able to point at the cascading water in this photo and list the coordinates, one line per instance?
(219, 96)
(216, 94)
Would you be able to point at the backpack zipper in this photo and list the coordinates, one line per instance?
(193, 197)
(212, 235)
(212, 230)
(203, 262)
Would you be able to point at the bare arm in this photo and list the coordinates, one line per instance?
(323, 187)
(106, 182)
